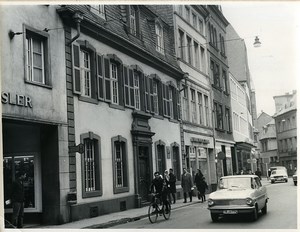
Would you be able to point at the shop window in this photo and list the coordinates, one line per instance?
(120, 164)
(37, 68)
(91, 165)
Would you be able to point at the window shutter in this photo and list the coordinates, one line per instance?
(175, 103)
(100, 81)
(126, 86)
(142, 91)
(76, 69)
(131, 87)
(94, 75)
(147, 94)
(107, 80)
(151, 95)
(164, 99)
(120, 85)
(167, 100)
(160, 97)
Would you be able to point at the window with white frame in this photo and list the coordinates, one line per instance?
(132, 20)
(86, 73)
(189, 49)
(36, 58)
(185, 109)
(155, 97)
(137, 91)
(203, 60)
(98, 10)
(120, 164)
(197, 55)
(159, 38)
(171, 98)
(206, 109)
(181, 44)
(91, 165)
(193, 106)
(200, 107)
(114, 83)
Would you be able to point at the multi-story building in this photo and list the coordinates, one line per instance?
(268, 147)
(286, 129)
(190, 44)
(218, 72)
(263, 120)
(90, 98)
(242, 103)
(34, 110)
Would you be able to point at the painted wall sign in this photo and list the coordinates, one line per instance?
(16, 99)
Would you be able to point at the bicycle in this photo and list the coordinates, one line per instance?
(155, 209)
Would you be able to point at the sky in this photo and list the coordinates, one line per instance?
(273, 66)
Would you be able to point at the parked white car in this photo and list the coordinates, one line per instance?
(238, 194)
(295, 178)
(278, 175)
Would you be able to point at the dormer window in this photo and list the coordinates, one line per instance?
(132, 20)
(159, 38)
(98, 10)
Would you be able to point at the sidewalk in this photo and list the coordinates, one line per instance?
(112, 219)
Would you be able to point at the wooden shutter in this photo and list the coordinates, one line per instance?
(142, 91)
(126, 86)
(151, 95)
(160, 98)
(100, 78)
(76, 69)
(131, 87)
(94, 75)
(175, 103)
(120, 85)
(107, 79)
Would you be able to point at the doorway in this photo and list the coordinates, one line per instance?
(144, 172)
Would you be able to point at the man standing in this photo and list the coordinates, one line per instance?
(18, 200)
(186, 184)
(172, 182)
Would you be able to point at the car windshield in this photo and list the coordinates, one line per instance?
(276, 172)
(229, 183)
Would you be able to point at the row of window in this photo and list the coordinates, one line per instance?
(191, 17)
(222, 120)
(286, 124)
(106, 78)
(195, 107)
(240, 124)
(191, 51)
(237, 93)
(215, 41)
(215, 76)
(91, 164)
(286, 145)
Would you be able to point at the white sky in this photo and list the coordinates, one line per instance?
(272, 66)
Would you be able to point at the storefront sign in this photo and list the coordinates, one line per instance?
(202, 153)
(16, 99)
(198, 140)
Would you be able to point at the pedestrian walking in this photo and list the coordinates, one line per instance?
(258, 173)
(197, 181)
(202, 188)
(172, 181)
(17, 199)
(269, 173)
(187, 185)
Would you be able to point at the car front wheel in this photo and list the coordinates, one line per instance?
(214, 217)
(264, 209)
(254, 215)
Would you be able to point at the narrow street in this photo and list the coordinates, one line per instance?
(282, 204)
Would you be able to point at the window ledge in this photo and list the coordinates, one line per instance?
(158, 116)
(118, 107)
(121, 190)
(39, 84)
(173, 120)
(96, 193)
(221, 130)
(89, 100)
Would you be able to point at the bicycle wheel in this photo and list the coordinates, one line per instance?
(153, 213)
(166, 210)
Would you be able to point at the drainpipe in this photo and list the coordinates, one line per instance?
(78, 17)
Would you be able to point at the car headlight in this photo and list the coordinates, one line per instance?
(210, 202)
(249, 201)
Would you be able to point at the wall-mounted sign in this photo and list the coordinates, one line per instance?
(202, 153)
(16, 99)
(198, 140)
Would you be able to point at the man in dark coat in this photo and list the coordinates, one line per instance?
(17, 199)
(197, 181)
(202, 187)
(172, 183)
(160, 187)
(187, 185)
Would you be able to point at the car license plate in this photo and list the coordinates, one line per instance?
(230, 211)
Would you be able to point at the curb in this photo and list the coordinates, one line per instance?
(127, 219)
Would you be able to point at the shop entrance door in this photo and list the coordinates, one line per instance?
(144, 172)
(28, 163)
